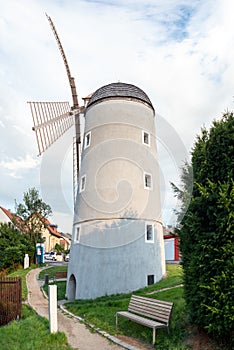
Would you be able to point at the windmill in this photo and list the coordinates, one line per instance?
(117, 239)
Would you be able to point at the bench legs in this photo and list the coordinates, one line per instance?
(154, 330)
(154, 335)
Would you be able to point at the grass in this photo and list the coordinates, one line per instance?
(101, 312)
(174, 278)
(32, 331)
(61, 289)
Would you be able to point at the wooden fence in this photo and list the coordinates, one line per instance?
(10, 299)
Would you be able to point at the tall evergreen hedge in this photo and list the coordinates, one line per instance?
(207, 232)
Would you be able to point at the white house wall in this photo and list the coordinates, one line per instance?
(169, 248)
(4, 218)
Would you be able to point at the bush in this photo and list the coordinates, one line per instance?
(207, 233)
(13, 247)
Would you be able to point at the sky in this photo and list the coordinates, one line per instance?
(179, 52)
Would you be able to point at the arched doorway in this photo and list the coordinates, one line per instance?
(72, 288)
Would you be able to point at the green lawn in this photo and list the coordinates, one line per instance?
(32, 331)
(174, 278)
(101, 312)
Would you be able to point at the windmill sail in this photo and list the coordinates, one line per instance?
(77, 110)
(70, 78)
(51, 120)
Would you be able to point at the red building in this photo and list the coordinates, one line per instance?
(171, 244)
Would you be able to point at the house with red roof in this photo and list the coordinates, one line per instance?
(49, 231)
(52, 236)
(6, 216)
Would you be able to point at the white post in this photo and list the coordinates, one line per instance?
(26, 261)
(53, 308)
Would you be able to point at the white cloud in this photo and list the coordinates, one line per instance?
(16, 166)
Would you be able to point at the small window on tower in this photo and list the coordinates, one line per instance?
(148, 181)
(145, 138)
(77, 234)
(87, 139)
(149, 233)
(82, 183)
(150, 279)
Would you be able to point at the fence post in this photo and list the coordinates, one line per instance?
(53, 308)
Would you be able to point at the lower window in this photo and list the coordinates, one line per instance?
(149, 233)
(150, 279)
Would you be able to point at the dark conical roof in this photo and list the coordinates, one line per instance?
(119, 90)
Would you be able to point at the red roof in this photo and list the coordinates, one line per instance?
(52, 229)
(16, 220)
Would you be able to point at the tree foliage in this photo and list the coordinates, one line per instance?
(33, 211)
(207, 232)
(184, 192)
(32, 204)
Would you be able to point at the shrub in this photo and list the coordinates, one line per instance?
(207, 232)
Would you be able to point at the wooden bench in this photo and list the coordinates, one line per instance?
(148, 312)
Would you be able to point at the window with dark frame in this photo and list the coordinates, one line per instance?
(146, 138)
(149, 233)
(77, 234)
(148, 181)
(150, 279)
(82, 183)
(87, 139)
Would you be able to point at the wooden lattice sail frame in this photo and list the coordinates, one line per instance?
(51, 120)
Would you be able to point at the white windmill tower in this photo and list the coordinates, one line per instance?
(117, 243)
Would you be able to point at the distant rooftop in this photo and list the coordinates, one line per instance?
(119, 90)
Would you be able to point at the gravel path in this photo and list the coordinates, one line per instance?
(79, 337)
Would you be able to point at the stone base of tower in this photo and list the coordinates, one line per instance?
(95, 272)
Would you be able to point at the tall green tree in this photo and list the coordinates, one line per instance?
(33, 211)
(207, 232)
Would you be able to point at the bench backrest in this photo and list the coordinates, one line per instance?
(158, 310)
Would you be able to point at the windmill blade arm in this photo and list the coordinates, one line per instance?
(70, 78)
(51, 120)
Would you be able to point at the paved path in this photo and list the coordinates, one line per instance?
(79, 337)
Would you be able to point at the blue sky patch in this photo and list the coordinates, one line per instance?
(176, 22)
